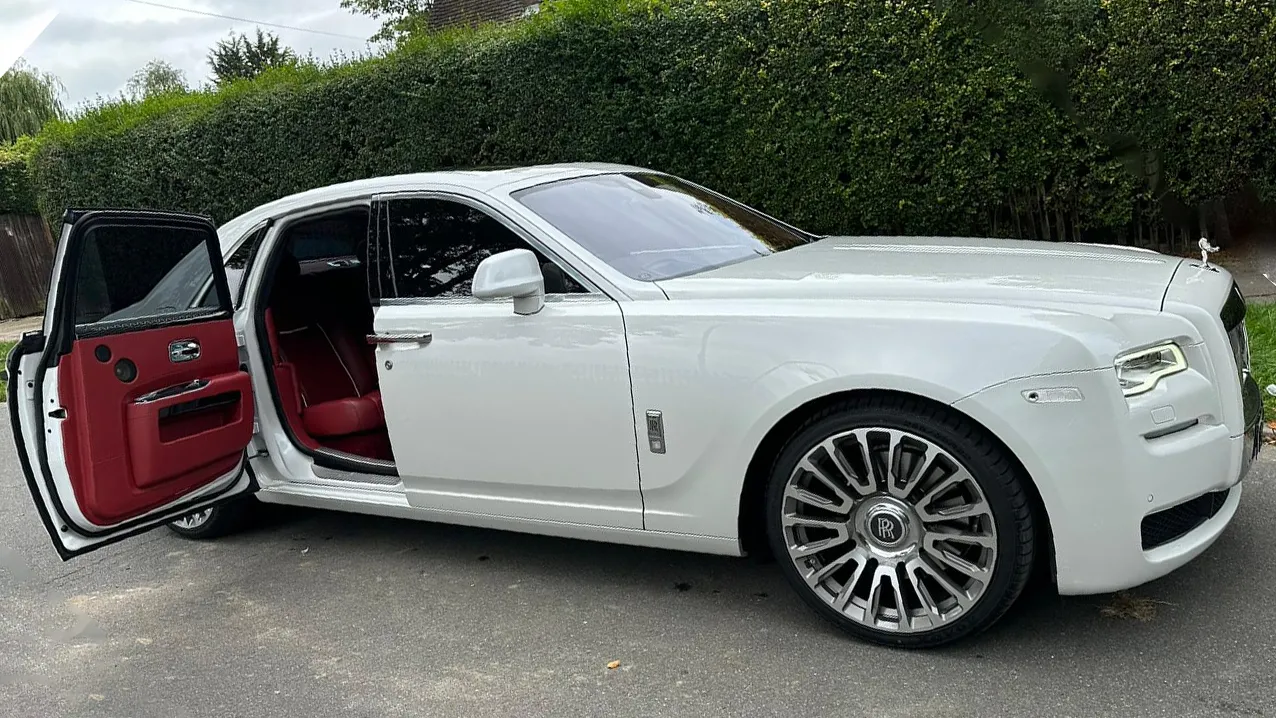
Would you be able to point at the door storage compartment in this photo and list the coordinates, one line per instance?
(204, 425)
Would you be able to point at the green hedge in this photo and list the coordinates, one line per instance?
(846, 116)
(17, 193)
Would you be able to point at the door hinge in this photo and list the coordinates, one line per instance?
(256, 445)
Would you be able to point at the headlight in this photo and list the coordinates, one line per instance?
(1139, 371)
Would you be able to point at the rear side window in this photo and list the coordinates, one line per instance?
(128, 272)
(328, 237)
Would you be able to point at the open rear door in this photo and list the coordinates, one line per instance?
(130, 407)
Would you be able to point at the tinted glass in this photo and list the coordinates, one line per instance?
(129, 272)
(653, 227)
(328, 237)
(436, 245)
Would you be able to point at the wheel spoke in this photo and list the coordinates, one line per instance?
(973, 539)
(875, 480)
(848, 589)
(963, 599)
(795, 520)
(923, 593)
(950, 558)
(859, 484)
(930, 493)
(808, 548)
(843, 498)
(898, 588)
(891, 462)
(963, 511)
(874, 606)
(817, 577)
(801, 495)
(916, 476)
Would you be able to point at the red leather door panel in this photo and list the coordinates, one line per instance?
(125, 459)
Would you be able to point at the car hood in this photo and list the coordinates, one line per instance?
(944, 269)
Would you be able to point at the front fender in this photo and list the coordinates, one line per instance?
(723, 375)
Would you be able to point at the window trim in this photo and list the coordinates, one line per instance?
(238, 299)
(383, 230)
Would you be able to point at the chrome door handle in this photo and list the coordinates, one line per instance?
(422, 338)
(183, 350)
(171, 391)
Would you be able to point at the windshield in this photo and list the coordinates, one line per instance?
(651, 227)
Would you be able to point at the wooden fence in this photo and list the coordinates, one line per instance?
(26, 262)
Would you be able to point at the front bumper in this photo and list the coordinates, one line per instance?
(1101, 477)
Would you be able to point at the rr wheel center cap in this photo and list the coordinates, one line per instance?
(887, 525)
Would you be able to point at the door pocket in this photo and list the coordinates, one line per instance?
(172, 435)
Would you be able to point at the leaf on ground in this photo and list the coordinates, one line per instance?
(613, 665)
(1127, 606)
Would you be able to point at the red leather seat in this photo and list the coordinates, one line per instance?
(344, 416)
(325, 371)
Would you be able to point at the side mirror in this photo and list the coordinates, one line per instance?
(514, 274)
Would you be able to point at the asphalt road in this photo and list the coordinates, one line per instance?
(320, 614)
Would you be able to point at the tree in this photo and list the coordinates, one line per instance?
(399, 17)
(156, 77)
(28, 99)
(240, 58)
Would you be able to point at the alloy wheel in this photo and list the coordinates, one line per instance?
(889, 529)
(190, 522)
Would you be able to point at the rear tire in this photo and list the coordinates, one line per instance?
(213, 522)
(945, 527)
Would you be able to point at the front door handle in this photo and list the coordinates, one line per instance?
(422, 338)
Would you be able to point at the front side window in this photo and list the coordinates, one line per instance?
(128, 271)
(650, 226)
(436, 245)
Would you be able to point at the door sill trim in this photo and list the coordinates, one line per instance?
(354, 477)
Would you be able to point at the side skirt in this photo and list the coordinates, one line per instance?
(394, 505)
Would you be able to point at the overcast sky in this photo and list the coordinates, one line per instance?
(93, 46)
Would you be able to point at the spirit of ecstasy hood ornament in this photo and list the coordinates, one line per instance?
(1206, 249)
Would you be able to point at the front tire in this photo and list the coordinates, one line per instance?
(902, 522)
(213, 522)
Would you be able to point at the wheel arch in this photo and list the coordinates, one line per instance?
(751, 519)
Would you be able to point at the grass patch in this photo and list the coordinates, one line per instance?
(4, 356)
(1260, 320)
